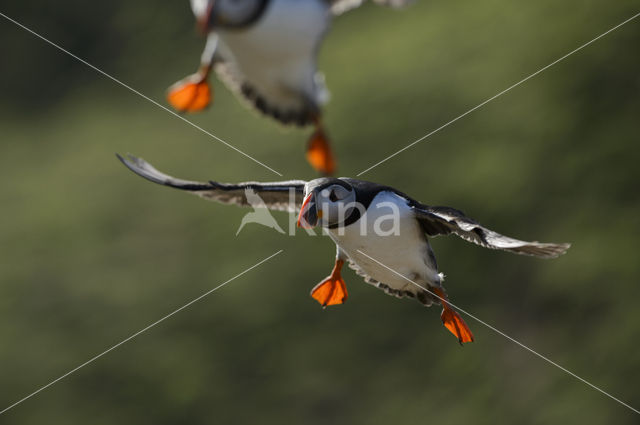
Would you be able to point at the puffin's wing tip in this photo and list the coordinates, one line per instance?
(144, 169)
(541, 250)
(560, 249)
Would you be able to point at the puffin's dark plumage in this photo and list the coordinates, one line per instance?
(398, 260)
(276, 195)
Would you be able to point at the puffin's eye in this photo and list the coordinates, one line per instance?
(332, 196)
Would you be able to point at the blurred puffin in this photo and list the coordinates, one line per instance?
(265, 51)
(398, 260)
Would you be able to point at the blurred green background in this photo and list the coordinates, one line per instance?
(91, 253)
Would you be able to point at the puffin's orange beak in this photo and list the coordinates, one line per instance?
(308, 217)
(202, 23)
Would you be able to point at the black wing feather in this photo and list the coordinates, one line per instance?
(276, 195)
(445, 220)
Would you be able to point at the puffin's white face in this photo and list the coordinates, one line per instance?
(328, 206)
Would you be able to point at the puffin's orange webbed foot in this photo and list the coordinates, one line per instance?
(191, 94)
(332, 290)
(319, 152)
(452, 320)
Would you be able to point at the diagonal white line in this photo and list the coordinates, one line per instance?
(505, 335)
(139, 94)
(138, 333)
(499, 94)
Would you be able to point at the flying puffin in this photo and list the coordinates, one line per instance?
(379, 231)
(265, 51)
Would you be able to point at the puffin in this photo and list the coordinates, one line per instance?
(380, 232)
(265, 51)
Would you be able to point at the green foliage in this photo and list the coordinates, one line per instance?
(91, 253)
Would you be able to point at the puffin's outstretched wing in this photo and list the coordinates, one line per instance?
(276, 195)
(444, 220)
(340, 6)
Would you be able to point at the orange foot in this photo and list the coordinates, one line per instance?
(319, 152)
(191, 94)
(332, 290)
(452, 320)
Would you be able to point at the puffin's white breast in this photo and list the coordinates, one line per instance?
(406, 251)
(277, 53)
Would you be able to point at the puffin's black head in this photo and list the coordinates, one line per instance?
(328, 202)
(227, 13)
